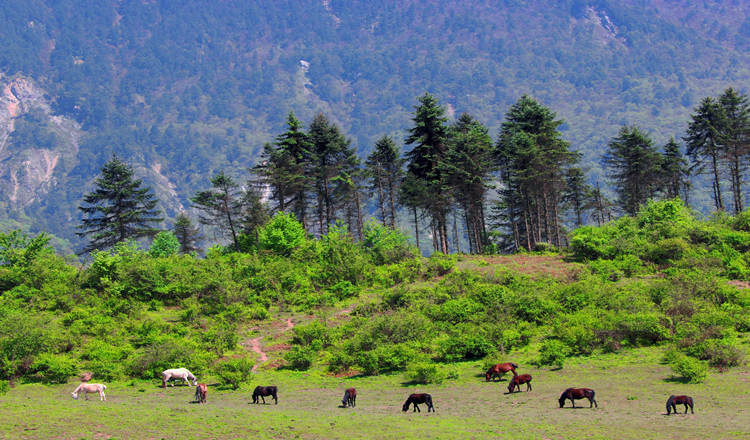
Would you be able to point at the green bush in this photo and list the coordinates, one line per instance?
(300, 358)
(51, 368)
(386, 245)
(553, 352)
(425, 373)
(165, 244)
(439, 265)
(235, 371)
(4, 387)
(691, 369)
(282, 234)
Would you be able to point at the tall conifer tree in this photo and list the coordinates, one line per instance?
(118, 208)
(385, 171)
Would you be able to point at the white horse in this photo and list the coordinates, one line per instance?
(177, 373)
(90, 388)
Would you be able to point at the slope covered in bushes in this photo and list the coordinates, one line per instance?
(663, 278)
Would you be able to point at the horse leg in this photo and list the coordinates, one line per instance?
(573, 401)
(102, 397)
(416, 407)
(528, 386)
(686, 407)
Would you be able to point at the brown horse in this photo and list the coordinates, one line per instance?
(679, 400)
(265, 391)
(350, 398)
(578, 393)
(499, 369)
(418, 398)
(517, 381)
(201, 391)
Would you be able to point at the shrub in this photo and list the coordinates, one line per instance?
(300, 358)
(4, 387)
(691, 369)
(165, 244)
(425, 373)
(386, 245)
(553, 353)
(282, 234)
(234, 372)
(51, 368)
(439, 265)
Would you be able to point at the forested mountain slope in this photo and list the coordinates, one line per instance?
(183, 89)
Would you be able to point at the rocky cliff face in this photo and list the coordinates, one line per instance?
(28, 172)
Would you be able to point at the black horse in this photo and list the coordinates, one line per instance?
(418, 398)
(578, 393)
(679, 400)
(265, 391)
(350, 398)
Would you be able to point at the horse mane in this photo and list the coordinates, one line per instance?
(564, 394)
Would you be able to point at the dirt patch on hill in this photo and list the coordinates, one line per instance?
(535, 266)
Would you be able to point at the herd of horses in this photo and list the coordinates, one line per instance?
(350, 395)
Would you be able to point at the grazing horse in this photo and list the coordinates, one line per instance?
(499, 369)
(201, 390)
(679, 400)
(90, 388)
(265, 391)
(350, 398)
(177, 373)
(418, 398)
(578, 393)
(517, 381)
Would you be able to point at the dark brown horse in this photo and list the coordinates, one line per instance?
(517, 381)
(499, 369)
(418, 398)
(350, 398)
(262, 392)
(578, 393)
(679, 400)
(201, 391)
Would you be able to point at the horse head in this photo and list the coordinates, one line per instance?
(75, 396)
(563, 397)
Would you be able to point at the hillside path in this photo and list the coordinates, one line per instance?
(256, 346)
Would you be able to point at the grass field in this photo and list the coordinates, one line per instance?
(631, 389)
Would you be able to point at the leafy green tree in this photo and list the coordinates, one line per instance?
(385, 171)
(221, 206)
(165, 244)
(282, 234)
(429, 139)
(633, 167)
(18, 249)
(188, 236)
(118, 208)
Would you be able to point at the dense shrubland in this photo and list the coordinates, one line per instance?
(661, 278)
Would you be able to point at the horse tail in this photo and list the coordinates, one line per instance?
(514, 365)
(428, 400)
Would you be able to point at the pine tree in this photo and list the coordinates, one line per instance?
(675, 171)
(385, 171)
(576, 194)
(703, 145)
(188, 235)
(286, 169)
(118, 209)
(468, 166)
(331, 151)
(532, 157)
(633, 167)
(221, 206)
(428, 136)
(733, 137)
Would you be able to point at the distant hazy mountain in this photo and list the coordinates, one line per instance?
(184, 88)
